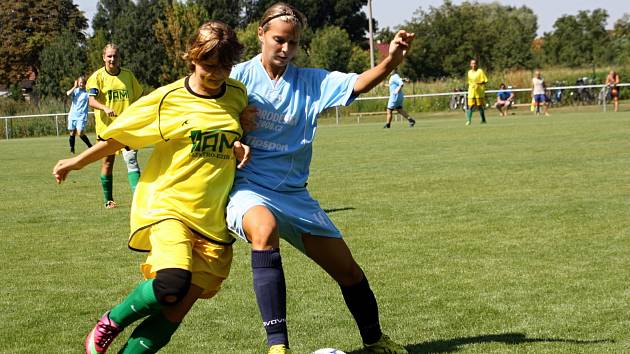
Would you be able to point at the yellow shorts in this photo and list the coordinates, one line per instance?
(101, 124)
(476, 102)
(174, 245)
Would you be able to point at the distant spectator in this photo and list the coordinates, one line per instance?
(538, 93)
(77, 118)
(396, 98)
(505, 99)
(612, 81)
(476, 92)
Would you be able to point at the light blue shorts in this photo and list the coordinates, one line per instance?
(74, 124)
(296, 212)
(395, 103)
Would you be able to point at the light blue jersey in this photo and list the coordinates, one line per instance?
(281, 144)
(395, 99)
(79, 109)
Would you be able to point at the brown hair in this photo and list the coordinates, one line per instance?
(213, 38)
(286, 13)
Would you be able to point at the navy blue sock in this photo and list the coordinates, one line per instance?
(362, 304)
(71, 141)
(271, 294)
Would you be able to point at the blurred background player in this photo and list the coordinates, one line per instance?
(270, 200)
(539, 93)
(396, 98)
(505, 99)
(77, 118)
(612, 80)
(476, 92)
(112, 89)
(178, 214)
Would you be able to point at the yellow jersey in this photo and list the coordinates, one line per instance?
(191, 170)
(476, 80)
(115, 91)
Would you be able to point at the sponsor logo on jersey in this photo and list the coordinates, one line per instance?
(213, 143)
(117, 95)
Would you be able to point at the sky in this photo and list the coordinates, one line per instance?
(394, 13)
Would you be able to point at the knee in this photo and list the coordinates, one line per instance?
(261, 229)
(349, 275)
(263, 236)
(171, 285)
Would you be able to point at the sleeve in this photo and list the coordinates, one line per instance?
(335, 88)
(137, 88)
(92, 85)
(137, 126)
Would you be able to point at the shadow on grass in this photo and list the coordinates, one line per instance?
(456, 344)
(334, 210)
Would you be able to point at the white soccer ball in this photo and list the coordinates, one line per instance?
(328, 351)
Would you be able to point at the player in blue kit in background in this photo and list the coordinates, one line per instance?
(77, 117)
(395, 102)
(269, 199)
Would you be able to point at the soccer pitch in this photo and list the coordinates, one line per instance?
(509, 237)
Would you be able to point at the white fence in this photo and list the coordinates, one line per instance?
(65, 115)
(464, 93)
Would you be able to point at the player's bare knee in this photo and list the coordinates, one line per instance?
(171, 285)
(264, 237)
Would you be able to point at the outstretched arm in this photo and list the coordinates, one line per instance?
(96, 152)
(398, 48)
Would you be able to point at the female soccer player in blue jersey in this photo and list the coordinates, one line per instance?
(77, 118)
(269, 198)
(178, 211)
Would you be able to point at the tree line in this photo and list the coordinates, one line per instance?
(50, 36)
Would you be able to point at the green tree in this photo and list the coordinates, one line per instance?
(384, 35)
(174, 31)
(620, 41)
(359, 60)
(578, 40)
(331, 49)
(95, 45)
(228, 11)
(62, 61)
(27, 26)
(447, 37)
(248, 36)
(347, 14)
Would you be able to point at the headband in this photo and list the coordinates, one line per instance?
(283, 13)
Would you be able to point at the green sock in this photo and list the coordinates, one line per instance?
(482, 112)
(150, 336)
(106, 183)
(139, 303)
(133, 178)
(469, 115)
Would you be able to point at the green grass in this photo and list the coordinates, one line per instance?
(511, 237)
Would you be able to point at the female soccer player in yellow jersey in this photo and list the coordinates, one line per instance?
(178, 210)
(111, 90)
(476, 92)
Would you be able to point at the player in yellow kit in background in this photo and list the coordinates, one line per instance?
(476, 92)
(111, 90)
(178, 211)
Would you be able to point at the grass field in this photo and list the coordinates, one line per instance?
(510, 237)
